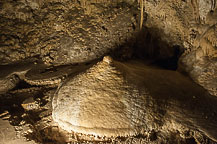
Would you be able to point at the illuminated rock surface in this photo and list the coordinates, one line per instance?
(120, 99)
(99, 102)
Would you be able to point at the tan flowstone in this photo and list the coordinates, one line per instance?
(124, 99)
(102, 104)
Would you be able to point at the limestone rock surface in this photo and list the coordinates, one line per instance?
(63, 32)
(10, 75)
(196, 33)
(99, 102)
(118, 99)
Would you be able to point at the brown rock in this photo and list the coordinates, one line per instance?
(120, 99)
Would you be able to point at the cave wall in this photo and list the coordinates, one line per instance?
(192, 25)
(62, 32)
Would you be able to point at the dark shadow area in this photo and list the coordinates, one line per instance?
(148, 46)
(22, 85)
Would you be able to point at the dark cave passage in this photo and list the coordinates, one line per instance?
(148, 46)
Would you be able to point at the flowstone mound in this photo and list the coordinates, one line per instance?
(99, 102)
(123, 99)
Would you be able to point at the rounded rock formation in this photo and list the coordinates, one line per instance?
(126, 98)
(99, 102)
